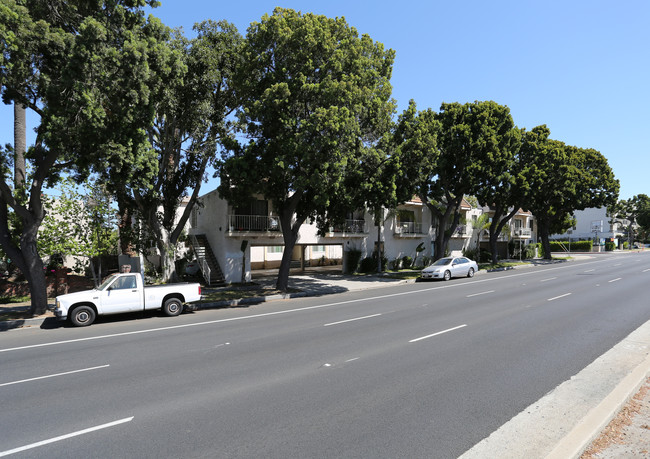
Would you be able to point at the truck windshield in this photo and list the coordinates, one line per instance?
(108, 280)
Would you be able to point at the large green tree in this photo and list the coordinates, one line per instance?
(315, 94)
(192, 110)
(563, 179)
(85, 69)
(628, 211)
(473, 147)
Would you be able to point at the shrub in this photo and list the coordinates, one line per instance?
(609, 246)
(369, 264)
(407, 262)
(485, 256)
(426, 261)
(529, 251)
(576, 246)
(396, 264)
(353, 258)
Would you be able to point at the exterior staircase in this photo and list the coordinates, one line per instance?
(208, 262)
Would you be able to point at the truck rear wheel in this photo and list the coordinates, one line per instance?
(82, 316)
(172, 307)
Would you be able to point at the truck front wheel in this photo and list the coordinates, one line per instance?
(172, 307)
(82, 316)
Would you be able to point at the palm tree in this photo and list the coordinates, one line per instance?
(481, 223)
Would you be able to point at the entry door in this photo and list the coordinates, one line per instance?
(121, 296)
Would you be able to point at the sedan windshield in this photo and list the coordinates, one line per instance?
(443, 262)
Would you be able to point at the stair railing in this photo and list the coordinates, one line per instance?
(200, 257)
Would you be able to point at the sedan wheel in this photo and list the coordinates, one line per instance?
(470, 273)
(447, 275)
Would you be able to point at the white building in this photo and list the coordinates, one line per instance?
(251, 236)
(594, 223)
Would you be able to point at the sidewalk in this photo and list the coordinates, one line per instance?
(625, 397)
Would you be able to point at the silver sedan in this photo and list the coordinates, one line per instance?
(448, 267)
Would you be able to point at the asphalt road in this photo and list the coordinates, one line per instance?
(415, 370)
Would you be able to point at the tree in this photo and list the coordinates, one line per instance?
(79, 222)
(314, 95)
(629, 211)
(84, 68)
(191, 121)
(503, 186)
(474, 142)
(643, 215)
(564, 179)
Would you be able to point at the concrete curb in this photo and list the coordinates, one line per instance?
(22, 323)
(591, 426)
(564, 422)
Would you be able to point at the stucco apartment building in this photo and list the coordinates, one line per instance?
(245, 238)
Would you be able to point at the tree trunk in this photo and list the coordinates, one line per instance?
(290, 236)
(495, 230)
(546, 245)
(20, 144)
(167, 260)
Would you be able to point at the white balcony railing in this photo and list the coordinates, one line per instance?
(245, 223)
(522, 233)
(408, 228)
(350, 226)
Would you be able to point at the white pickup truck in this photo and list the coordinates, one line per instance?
(124, 293)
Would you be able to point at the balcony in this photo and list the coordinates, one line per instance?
(349, 228)
(245, 224)
(522, 233)
(462, 231)
(408, 229)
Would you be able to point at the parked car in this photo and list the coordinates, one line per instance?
(448, 267)
(124, 293)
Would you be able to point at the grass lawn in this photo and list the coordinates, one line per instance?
(503, 264)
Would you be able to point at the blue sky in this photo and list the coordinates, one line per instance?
(580, 67)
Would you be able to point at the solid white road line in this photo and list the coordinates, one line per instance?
(436, 334)
(64, 437)
(482, 293)
(52, 376)
(645, 270)
(351, 320)
(558, 297)
(614, 280)
(550, 278)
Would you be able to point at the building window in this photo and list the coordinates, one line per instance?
(275, 249)
(318, 248)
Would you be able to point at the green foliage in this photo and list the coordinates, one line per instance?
(369, 264)
(79, 222)
(564, 179)
(86, 69)
(407, 262)
(576, 246)
(352, 260)
(609, 246)
(315, 101)
(472, 254)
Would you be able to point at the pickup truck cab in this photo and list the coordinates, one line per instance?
(124, 293)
